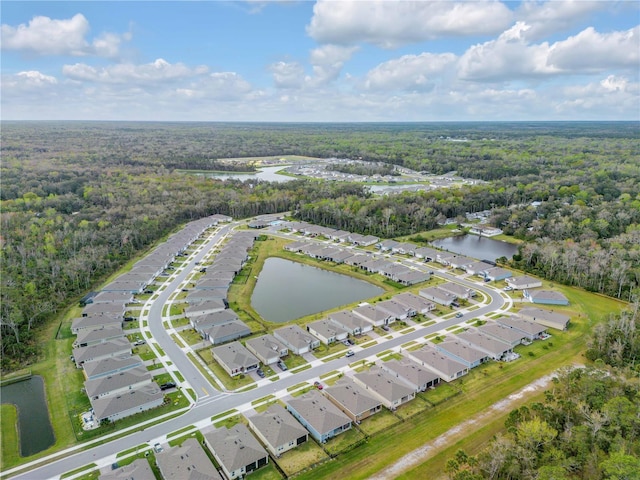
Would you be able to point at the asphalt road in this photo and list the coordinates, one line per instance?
(214, 402)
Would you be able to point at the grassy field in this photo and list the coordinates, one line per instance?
(304, 456)
(9, 434)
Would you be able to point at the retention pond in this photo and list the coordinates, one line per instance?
(287, 290)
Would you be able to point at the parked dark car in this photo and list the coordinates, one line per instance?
(260, 373)
(167, 386)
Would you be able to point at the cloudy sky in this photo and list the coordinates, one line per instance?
(324, 61)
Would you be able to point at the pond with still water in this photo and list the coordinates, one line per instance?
(287, 290)
(482, 248)
(268, 174)
(34, 426)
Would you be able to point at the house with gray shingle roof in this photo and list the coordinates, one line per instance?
(318, 415)
(88, 337)
(202, 323)
(206, 307)
(389, 389)
(297, 340)
(411, 300)
(399, 310)
(353, 399)
(326, 331)
(235, 358)
(92, 322)
(113, 348)
(278, 430)
(496, 349)
(418, 377)
(139, 469)
(117, 382)
(446, 367)
(547, 297)
(546, 318)
(425, 253)
(458, 290)
(112, 309)
(462, 352)
(508, 335)
(497, 273)
(357, 259)
(186, 462)
(411, 277)
(438, 295)
(121, 405)
(351, 322)
(110, 366)
(374, 315)
(237, 451)
(528, 329)
(523, 282)
(227, 332)
(267, 348)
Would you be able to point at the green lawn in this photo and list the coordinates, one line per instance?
(9, 432)
(230, 383)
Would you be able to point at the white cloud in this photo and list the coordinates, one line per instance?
(287, 74)
(548, 17)
(391, 24)
(410, 72)
(46, 36)
(507, 57)
(611, 97)
(590, 51)
(27, 80)
(157, 71)
(328, 61)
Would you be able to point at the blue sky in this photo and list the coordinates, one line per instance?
(323, 61)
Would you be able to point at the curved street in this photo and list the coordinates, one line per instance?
(211, 402)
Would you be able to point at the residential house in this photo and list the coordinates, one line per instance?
(205, 307)
(444, 366)
(460, 262)
(352, 323)
(485, 230)
(507, 335)
(110, 366)
(373, 314)
(547, 318)
(326, 331)
(478, 268)
(357, 260)
(418, 377)
(111, 309)
(212, 283)
(139, 469)
(425, 253)
(438, 295)
(546, 297)
(458, 290)
(318, 415)
(199, 296)
(411, 277)
(523, 282)
(88, 337)
(419, 304)
(462, 352)
(118, 382)
(227, 332)
(387, 245)
(352, 399)
(497, 273)
(297, 340)
(267, 348)
(235, 358)
(528, 329)
(278, 430)
(118, 406)
(398, 310)
(237, 451)
(362, 240)
(204, 322)
(296, 247)
(389, 389)
(121, 298)
(113, 348)
(494, 348)
(186, 462)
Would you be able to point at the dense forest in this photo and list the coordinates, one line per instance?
(587, 427)
(81, 198)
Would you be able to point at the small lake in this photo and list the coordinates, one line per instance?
(264, 173)
(482, 248)
(34, 426)
(287, 290)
